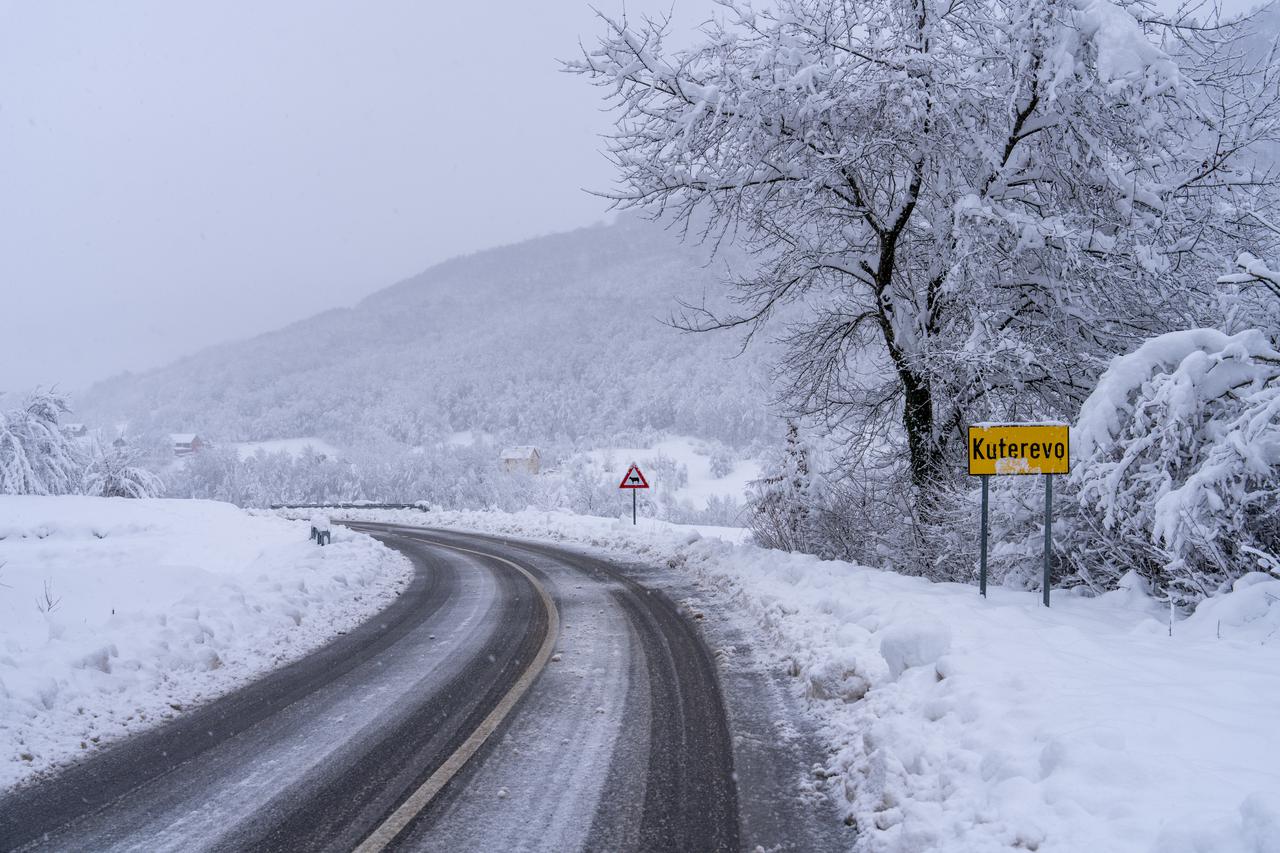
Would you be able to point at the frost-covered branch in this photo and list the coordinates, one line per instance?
(1253, 271)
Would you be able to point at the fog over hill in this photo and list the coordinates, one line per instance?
(557, 341)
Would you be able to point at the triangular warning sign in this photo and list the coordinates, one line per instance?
(634, 479)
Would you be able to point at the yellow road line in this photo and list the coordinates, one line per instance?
(426, 792)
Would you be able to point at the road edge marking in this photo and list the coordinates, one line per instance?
(427, 791)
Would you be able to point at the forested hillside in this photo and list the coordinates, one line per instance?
(554, 341)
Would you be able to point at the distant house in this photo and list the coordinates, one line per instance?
(186, 443)
(75, 430)
(524, 459)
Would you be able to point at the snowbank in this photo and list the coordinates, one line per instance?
(558, 525)
(117, 614)
(961, 724)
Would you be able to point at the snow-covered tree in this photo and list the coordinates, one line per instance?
(36, 456)
(116, 473)
(961, 209)
(781, 503)
(1177, 469)
(214, 474)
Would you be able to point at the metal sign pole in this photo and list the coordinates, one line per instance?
(982, 571)
(1042, 449)
(1048, 532)
(634, 480)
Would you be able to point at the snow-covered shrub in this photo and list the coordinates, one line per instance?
(672, 474)
(116, 473)
(36, 456)
(1177, 465)
(782, 503)
(720, 510)
(721, 462)
(859, 510)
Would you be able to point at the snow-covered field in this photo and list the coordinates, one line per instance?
(117, 614)
(694, 455)
(961, 724)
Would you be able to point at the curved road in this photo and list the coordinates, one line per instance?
(444, 723)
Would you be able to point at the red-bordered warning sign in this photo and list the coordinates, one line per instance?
(633, 479)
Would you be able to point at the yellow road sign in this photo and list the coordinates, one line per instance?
(1019, 449)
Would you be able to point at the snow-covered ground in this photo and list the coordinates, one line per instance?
(692, 453)
(117, 614)
(292, 446)
(961, 724)
(467, 438)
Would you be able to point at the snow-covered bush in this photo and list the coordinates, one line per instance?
(1177, 465)
(671, 473)
(115, 473)
(720, 510)
(721, 462)
(36, 456)
(782, 504)
(856, 511)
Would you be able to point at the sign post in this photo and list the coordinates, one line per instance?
(1019, 449)
(633, 480)
(982, 570)
(1048, 533)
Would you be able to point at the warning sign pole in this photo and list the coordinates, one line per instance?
(633, 506)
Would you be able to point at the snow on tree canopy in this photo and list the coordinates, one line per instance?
(1179, 447)
(1125, 59)
(36, 456)
(968, 208)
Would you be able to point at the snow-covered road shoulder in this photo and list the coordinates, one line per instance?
(117, 614)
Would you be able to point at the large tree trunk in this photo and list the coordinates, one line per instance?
(917, 417)
(917, 410)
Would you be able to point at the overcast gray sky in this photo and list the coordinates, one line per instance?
(178, 174)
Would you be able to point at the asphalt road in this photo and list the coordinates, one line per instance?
(444, 723)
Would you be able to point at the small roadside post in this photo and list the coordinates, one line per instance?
(633, 480)
(1039, 448)
(321, 532)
